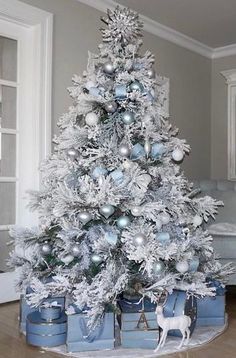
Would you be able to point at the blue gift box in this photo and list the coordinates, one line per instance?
(50, 313)
(211, 311)
(25, 309)
(80, 339)
(43, 333)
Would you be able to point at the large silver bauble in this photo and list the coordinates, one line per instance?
(197, 220)
(111, 107)
(136, 86)
(151, 73)
(91, 119)
(67, 259)
(158, 267)
(75, 251)
(46, 249)
(128, 117)
(108, 68)
(124, 150)
(96, 259)
(182, 266)
(123, 222)
(177, 155)
(139, 239)
(84, 217)
(136, 210)
(72, 153)
(107, 210)
(147, 147)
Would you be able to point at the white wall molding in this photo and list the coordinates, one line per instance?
(169, 34)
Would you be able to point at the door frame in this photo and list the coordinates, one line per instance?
(36, 69)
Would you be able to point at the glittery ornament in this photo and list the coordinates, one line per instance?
(91, 119)
(177, 155)
(182, 266)
(107, 210)
(197, 220)
(136, 210)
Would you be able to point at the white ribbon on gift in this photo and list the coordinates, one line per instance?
(50, 304)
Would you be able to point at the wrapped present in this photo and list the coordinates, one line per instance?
(211, 310)
(50, 311)
(43, 333)
(139, 326)
(26, 309)
(81, 339)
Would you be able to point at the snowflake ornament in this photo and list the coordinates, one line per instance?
(123, 26)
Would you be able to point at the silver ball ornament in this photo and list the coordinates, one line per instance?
(182, 266)
(123, 222)
(108, 68)
(177, 155)
(75, 251)
(197, 220)
(96, 259)
(91, 119)
(107, 210)
(139, 239)
(124, 150)
(111, 107)
(72, 153)
(128, 117)
(136, 210)
(46, 249)
(151, 73)
(84, 217)
(158, 267)
(67, 259)
(136, 86)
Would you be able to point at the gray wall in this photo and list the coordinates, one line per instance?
(219, 117)
(76, 31)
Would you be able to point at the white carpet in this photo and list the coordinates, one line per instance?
(201, 336)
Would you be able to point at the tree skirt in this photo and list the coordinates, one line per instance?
(201, 336)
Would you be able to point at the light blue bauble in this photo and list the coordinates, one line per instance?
(158, 267)
(111, 237)
(71, 180)
(163, 237)
(136, 86)
(137, 151)
(120, 92)
(98, 171)
(96, 259)
(194, 264)
(123, 222)
(158, 149)
(118, 176)
(128, 117)
(94, 91)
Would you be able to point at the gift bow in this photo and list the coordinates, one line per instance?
(50, 304)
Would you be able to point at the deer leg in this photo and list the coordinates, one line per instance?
(160, 341)
(188, 335)
(183, 338)
(164, 339)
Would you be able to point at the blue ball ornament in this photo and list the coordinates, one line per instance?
(123, 222)
(128, 117)
(111, 237)
(118, 176)
(158, 149)
(136, 86)
(194, 264)
(98, 171)
(137, 152)
(163, 237)
(158, 267)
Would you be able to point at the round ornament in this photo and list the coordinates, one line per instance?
(67, 259)
(182, 266)
(139, 239)
(136, 86)
(136, 210)
(108, 68)
(96, 259)
(124, 150)
(123, 222)
(151, 73)
(111, 107)
(197, 220)
(75, 251)
(84, 217)
(128, 117)
(111, 237)
(107, 210)
(163, 237)
(194, 264)
(91, 119)
(46, 249)
(72, 153)
(165, 218)
(158, 267)
(98, 171)
(177, 155)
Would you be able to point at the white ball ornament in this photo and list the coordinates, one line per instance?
(165, 218)
(91, 119)
(75, 251)
(136, 210)
(107, 210)
(139, 239)
(96, 259)
(182, 266)
(124, 150)
(72, 153)
(46, 249)
(197, 220)
(177, 155)
(67, 259)
(108, 68)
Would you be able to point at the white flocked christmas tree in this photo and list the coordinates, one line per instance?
(116, 212)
